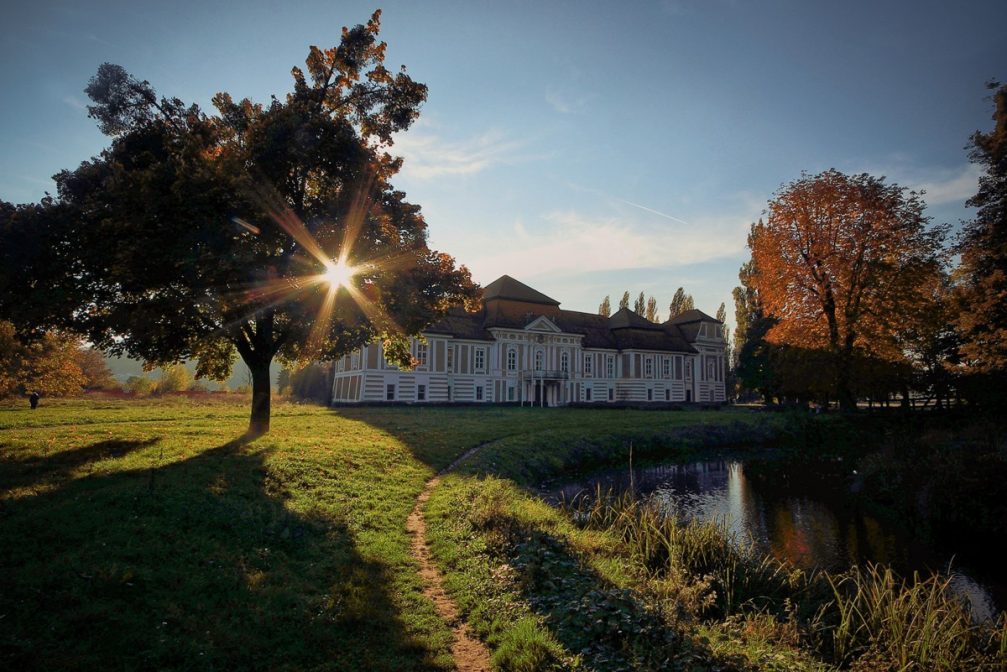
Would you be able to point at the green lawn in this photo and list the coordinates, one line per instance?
(146, 534)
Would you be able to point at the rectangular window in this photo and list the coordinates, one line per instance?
(479, 392)
(510, 393)
(480, 359)
(611, 394)
(648, 367)
(650, 395)
(511, 359)
(421, 354)
(587, 394)
(667, 395)
(421, 393)
(451, 358)
(678, 367)
(354, 361)
(610, 367)
(449, 393)
(666, 367)
(390, 392)
(588, 365)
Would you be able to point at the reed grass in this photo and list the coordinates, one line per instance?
(866, 617)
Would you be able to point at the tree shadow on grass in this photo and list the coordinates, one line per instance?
(55, 468)
(202, 567)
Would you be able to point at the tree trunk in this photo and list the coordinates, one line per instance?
(258, 424)
(847, 402)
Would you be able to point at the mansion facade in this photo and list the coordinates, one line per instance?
(521, 347)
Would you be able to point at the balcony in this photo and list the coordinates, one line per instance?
(543, 374)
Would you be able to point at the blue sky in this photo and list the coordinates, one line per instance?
(583, 147)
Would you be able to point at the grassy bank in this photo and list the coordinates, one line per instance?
(613, 584)
(144, 534)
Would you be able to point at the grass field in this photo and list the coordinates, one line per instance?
(147, 534)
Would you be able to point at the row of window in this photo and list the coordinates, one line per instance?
(479, 357)
(669, 365)
(421, 392)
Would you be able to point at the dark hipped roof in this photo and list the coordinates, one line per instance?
(622, 331)
(625, 318)
(506, 287)
(693, 315)
(461, 324)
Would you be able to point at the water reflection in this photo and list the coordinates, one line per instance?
(827, 533)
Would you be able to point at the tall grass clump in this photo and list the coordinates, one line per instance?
(728, 573)
(866, 618)
(908, 624)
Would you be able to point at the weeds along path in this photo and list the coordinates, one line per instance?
(470, 654)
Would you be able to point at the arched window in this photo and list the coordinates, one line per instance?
(539, 360)
(511, 359)
(564, 362)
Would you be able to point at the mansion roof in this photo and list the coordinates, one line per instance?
(510, 304)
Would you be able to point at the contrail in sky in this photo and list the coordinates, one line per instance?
(656, 212)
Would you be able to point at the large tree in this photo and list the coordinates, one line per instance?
(651, 309)
(983, 248)
(680, 303)
(640, 305)
(263, 230)
(838, 263)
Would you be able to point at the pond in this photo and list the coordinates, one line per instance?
(828, 532)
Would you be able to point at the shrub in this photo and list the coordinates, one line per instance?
(140, 386)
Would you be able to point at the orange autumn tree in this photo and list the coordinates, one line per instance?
(838, 263)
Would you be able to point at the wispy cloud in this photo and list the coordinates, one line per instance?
(942, 185)
(955, 186)
(428, 155)
(568, 103)
(75, 103)
(570, 242)
(94, 38)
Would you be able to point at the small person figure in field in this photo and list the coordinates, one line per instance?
(33, 399)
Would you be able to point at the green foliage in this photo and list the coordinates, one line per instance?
(140, 386)
(312, 382)
(173, 174)
(640, 305)
(174, 378)
(605, 309)
(651, 313)
(680, 303)
(907, 624)
(527, 647)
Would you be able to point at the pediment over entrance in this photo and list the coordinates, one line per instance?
(543, 323)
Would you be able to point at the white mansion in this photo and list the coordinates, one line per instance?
(521, 347)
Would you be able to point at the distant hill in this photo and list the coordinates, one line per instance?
(124, 367)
